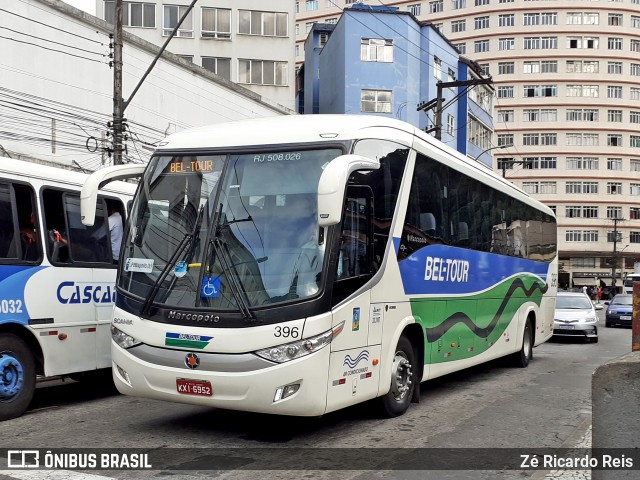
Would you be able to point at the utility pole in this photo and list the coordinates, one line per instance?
(438, 101)
(118, 110)
(119, 104)
(615, 253)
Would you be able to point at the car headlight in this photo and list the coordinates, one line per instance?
(122, 339)
(590, 319)
(289, 351)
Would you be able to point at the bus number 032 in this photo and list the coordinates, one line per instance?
(11, 306)
(286, 332)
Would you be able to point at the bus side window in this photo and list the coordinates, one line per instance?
(87, 244)
(8, 237)
(19, 238)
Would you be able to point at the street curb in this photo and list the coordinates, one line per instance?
(572, 440)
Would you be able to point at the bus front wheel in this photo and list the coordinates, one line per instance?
(17, 376)
(403, 379)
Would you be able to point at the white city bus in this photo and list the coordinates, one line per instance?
(57, 279)
(301, 264)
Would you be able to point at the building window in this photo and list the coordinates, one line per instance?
(506, 68)
(614, 91)
(267, 24)
(133, 14)
(172, 14)
(583, 66)
(450, 124)
(614, 68)
(506, 44)
(505, 92)
(478, 133)
(615, 20)
(614, 140)
(479, 3)
(505, 116)
(635, 69)
(538, 43)
(216, 23)
(573, 212)
(505, 139)
(582, 163)
(262, 72)
(481, 22)
(634, 45)
(614, 115)
(461, 47)
(311, 5)
(220, 66)
(437, 68)
(458, 4)
(540, 91)
(458, 26)
(590, 212)
(634, 189)
(506, 20)
(634, 165)
(435, 7)
(634, 213)
(376, 50)
(634, 141)
(308, 26)
(481, 46)
(414, 9)
(614, 164)
(375, 101)
(634, 117)
(635, 21)
(614, 43)
(582, 114)
(634, 237)
(614, 188)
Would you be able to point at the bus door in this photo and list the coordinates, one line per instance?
(352, 376)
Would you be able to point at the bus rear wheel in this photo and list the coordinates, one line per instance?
(403, 379)
(17, 376)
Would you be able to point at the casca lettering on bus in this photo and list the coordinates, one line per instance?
(72, 292)
(196, 317)
(446, 270)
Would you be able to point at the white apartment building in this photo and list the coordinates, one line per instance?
(249, 42)
(567, 81)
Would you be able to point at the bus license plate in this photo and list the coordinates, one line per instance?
(566, 327)
(194, 387)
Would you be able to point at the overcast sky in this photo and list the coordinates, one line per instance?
(86, 5)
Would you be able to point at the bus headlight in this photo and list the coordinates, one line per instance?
(122, 339)
(289, 351)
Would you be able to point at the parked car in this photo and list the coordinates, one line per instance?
(575, 316)
(619, 310)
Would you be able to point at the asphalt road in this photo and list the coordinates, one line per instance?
(491, 406)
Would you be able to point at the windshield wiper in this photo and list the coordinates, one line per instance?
(186, 241)
(229, 269)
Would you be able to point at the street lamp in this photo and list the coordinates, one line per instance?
(492, 148)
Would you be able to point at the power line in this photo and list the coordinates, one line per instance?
(51, 49)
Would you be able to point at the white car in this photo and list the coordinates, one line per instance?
(575, 316)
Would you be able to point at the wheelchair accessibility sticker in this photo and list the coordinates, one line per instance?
(210, 287)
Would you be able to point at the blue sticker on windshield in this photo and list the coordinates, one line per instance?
(180, 270)
(210, 287)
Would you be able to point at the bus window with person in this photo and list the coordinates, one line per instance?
(57, 283)
(321, 261)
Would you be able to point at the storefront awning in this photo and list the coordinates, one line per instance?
(584, 281)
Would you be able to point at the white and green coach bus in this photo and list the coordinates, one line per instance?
(301, 264)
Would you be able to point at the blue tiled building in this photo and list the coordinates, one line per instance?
(382, 61)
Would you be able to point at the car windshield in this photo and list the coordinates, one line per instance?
(622, 300)
(230, 231)
(571, 302)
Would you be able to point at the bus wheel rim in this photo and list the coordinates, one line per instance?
(401, 377)
(527, 343)
(11, 376)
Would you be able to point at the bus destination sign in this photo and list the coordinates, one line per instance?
(187, 165)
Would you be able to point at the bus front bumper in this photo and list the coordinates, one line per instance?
(239, 383)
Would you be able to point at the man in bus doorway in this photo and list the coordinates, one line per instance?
(115, 231)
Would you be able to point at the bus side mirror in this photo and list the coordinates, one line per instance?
(95, 181)
(333, 182)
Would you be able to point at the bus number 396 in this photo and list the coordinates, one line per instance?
(286, 332)
(11, 306)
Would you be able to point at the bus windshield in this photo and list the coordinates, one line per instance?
(227, 231)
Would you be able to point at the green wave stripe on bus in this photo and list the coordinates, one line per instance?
(462, 327)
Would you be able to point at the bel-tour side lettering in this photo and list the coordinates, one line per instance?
(446, 270)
